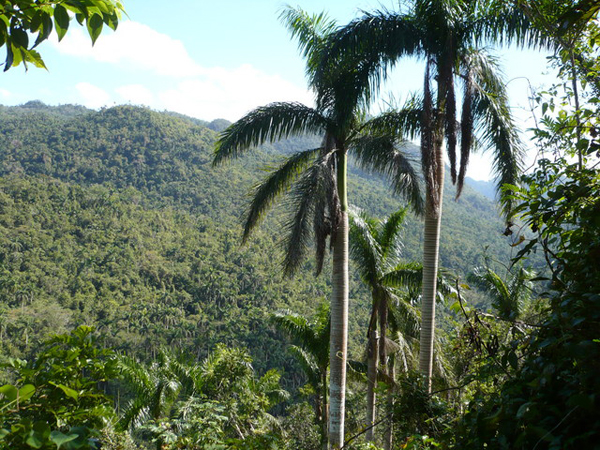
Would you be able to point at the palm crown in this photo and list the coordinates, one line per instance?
(447, 34)
(315, 179)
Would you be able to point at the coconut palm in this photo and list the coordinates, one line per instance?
(445, 33)
(311, 350)
(316, 179)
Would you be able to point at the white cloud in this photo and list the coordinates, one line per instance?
(186, 86)
(4, 93)
(92, 96)
(135, 45)
(230, 94)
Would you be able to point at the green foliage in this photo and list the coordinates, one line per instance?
(115, 219)
(22, 19)
(56, 402)
(299, 423)
(550, 398)
(220, 403)
(416, 412)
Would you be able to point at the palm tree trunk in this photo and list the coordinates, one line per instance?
(389, 431)
(372, 363)
(431, 246)
(325, 417)
(339, 316)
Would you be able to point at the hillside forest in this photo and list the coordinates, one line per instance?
(309, 278)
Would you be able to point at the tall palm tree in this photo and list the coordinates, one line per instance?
(375, 248)
(311, 350)
(316, 179)
(445, 33)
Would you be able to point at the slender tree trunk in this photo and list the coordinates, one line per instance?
(431, 245)
(325, 418)
(320, 407)
(383, 321)
(372, 363)
(339, 316)
(389, 431)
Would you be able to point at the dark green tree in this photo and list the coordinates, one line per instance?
(57, 401)
(22, 19)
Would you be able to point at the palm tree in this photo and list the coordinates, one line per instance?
(316, 179)
(312, 353)
(375, 248)
(155, 390)
(510, 297)
(445, 34)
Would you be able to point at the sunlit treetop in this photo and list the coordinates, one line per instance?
(24, 24)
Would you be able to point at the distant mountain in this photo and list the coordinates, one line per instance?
(486, 188)
(117, 219)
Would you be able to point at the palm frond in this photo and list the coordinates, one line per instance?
(404, 318)
(491, 283)
(365, 48)
(442, 368)
(506, 23)
(315, 186)
(297, 327)
(379, 153)
(466, 131)
(404, 276)
(278, 182)
(402, 123)
(365, 251)
(135, 414)
(404, 349)
(492, 116)
(383, 33)
(451, 131)
(389, 236)
(134, 373)
(307, 363)
(428, 159)
(268, 385)
(311, 31)
(267, 124)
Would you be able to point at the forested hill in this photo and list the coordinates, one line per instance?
(117, 219)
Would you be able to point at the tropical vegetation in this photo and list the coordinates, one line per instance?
(131, 318)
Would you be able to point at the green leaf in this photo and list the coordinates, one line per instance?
(17, 55)
(34, 58)
(67, 390)
(19, 37)
(26, 392)
(61, 439)
(523, 409)
(9, 391)
(38, 435)
(94, 26)
(61, 21)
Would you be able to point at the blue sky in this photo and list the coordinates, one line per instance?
(211, 60)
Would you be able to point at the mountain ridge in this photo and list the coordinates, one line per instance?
(116, 218)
